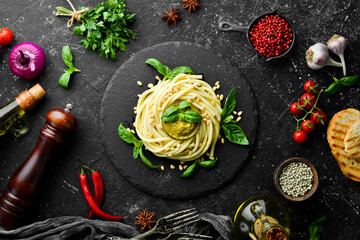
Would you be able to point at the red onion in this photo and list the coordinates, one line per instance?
(27, 60)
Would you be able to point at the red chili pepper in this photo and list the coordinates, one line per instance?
(90, 200)
(99, 189)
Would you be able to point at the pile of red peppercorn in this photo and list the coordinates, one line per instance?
(271, 36)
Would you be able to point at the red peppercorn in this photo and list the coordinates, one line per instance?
(271, 36)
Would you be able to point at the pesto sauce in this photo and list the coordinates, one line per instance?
(181, 130)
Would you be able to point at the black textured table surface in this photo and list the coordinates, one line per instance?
(276, 84)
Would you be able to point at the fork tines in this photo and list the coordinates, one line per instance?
(193, 236)
(182, 218)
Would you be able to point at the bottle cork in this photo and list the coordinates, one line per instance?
(29, 98)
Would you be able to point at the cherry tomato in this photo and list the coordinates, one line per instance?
(308, 125)
(309, 99)
(294, 109)
(308, 84)
(319, 117)
(6, 36)
(300, 136)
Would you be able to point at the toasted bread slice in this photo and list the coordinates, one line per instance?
(352, 140)
(338, 127)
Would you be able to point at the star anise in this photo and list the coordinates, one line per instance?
(172, 15)
(145, 219)
(191, 4)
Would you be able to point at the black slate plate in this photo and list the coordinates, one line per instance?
(121, 96)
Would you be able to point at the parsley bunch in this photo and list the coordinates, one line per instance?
(105, 27)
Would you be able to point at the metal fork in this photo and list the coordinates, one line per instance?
(187, 236)
(171, 223)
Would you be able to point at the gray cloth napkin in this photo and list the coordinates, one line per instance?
(71, 227)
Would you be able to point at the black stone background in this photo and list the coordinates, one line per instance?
(276, 85)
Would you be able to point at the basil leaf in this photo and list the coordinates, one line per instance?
(147, 161)
(189, 171)
(64, 79)
(234, 133)
(191, 116)
(178, 70)
(126, 135)
(227, 119)
(332, 89)
(208, 164)
(67, 56)
(163, 70)
(74, 69)
(136, 150)
(230, 104)
(171, 114)
(172, 118)
(349, 81)
(184, 104)
(315, 228)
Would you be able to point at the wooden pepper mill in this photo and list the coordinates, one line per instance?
(25, 182)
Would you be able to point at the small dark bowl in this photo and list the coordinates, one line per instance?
(229, 27)
(315, 181)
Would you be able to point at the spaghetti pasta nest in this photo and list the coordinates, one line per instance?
(152, 104)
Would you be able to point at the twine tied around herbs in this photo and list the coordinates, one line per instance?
(73, 14)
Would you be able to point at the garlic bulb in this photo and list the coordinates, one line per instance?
(337, 45)
(317, 56)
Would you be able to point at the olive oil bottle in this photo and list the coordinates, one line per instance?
(261, 218)
(12, 114)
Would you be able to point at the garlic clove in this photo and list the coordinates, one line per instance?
(337, 45)
(317, 57)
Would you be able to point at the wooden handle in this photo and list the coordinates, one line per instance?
(25, 182)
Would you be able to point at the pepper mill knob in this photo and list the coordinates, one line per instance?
(61, 120)
(26, 181)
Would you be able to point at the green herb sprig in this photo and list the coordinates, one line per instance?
(191, 169)
(128, 137)
(172, 114)
(231, 130)
(336, 86)
(165, 71)
(68, 60)
(105, 27)
(315, 228)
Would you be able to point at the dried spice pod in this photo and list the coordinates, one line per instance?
(172, 15)
(191, 4)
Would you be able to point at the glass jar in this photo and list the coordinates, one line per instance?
(261, 218)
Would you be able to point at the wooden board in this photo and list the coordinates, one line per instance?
(119, 101)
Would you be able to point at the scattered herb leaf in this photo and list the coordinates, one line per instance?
(332, 89)
(315, 228)
(336, 86)
(68, 60)
(209, 163)
(146, 160)
(230, 105)
(190, 170)
(128, 137)
(349, 81)
(165, 71)
(179, 70)
(232, 131)
(105, 27)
